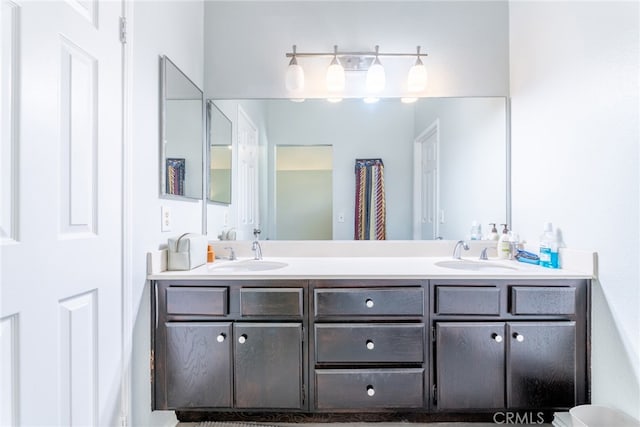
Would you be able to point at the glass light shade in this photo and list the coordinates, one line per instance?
(335, 77)
(376, 78)
(294, 79)
(417, 79)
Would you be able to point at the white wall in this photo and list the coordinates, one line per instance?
(575, 161)
(175, 29)
(467, 43)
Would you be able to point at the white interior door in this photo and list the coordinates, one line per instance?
(248, 191)
(426, 195)
(61, 304)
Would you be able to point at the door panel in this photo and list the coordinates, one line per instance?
(541, 364)
(470, 365)
(198, 365)
(268, 365)
(66, 215)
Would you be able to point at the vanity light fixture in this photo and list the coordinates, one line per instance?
(417, 79)
(295, 75)
(335, 73)
(376, 78)
(356, 61)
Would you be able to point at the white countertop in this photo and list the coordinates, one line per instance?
(368, 268)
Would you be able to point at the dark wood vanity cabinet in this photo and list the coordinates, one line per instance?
(369, 345)
(357, 346)
(228, 345)
(513, 345)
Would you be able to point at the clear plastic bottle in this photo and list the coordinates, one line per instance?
(476, 231)
(549, 247)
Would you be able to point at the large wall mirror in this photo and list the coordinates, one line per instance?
(220, 144)
(181, 136)
(445, 164)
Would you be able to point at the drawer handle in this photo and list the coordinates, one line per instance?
(518, 337)
(242, 339)
(369, 303)
(496, 337)
(370, 390)
(370, 345)
(221, 338)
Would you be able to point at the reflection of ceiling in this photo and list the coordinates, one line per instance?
(310, 157)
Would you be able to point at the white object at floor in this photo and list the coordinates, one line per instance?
(600, 416)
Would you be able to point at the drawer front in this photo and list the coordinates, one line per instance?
(480, 300)
(543, 300)
(369, 343)
(271, 302)
(197, 301)
(369, 388)
(369, 302)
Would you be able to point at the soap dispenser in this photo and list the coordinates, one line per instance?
(493, 234)
(504, 245)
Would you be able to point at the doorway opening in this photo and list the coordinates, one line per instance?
(303, 192)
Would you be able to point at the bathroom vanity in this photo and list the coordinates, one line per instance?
(325, 336)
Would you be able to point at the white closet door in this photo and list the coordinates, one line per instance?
(61, 284)
(248, 190)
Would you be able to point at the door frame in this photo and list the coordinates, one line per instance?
(418, 142)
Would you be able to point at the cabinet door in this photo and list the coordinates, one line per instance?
(470, 365)
(268, 365)
(198, 371)
(541, 367)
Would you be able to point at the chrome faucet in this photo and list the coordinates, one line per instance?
(456, 249)
(255, 246)
(232, 253)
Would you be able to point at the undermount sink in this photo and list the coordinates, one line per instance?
(248, 265)
(464, 264)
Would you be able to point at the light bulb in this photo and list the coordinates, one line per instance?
(417, 78)
(294, 79)
(376, 79)
(335, 76)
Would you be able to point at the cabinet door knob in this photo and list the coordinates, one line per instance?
(518, 337)
(242, 339)
(497, 337)
(370, 345)
(369, 303)
(370, 390)
(221, 337)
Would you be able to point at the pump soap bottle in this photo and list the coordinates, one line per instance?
(504, 245)
(493, 235)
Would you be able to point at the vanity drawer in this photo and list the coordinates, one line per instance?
(369, 302)
(369, 343)
(271, 302)
(543, 300)
(197, 301)
(369, 388)
(480, 300)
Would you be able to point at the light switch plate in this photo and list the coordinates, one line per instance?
(166, 218)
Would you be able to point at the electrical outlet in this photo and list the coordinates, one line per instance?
(166, 218)
(341, 217)
(226, 218)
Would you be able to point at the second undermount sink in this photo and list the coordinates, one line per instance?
(470, 265)
(247, 265)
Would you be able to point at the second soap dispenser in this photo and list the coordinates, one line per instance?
(504, 245)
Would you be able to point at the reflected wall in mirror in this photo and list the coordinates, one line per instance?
(468, 179)
(181, 136)
(220, 144)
